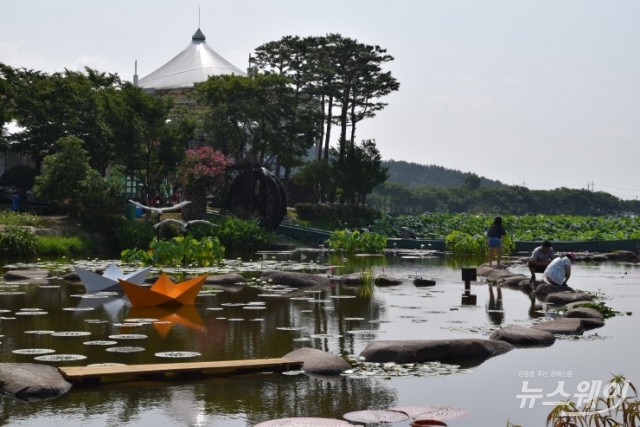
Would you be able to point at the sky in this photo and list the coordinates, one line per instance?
(539, 93)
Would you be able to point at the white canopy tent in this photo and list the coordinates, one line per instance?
(193, 65)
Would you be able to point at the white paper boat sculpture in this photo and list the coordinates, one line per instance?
(94, 282)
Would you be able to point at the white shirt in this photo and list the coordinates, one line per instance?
(555, 271)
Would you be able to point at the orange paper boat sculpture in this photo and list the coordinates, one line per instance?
(163, 292)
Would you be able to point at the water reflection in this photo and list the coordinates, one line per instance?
(494, 309)
(336, 318)
(256, 398)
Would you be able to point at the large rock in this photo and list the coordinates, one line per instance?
(563, 298)
(26, 275)
(352, 279)
(466, 352)
(295, 279)
(387, 281)
(589, 323)
(224, 279)
(561, 326)
(590, 317)
(583, 312)
(318, 362)
(521, 336)
(514, 281)
(31, 382)
(499, 275)
(543, 289)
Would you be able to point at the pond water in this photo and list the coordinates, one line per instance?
(258, 321)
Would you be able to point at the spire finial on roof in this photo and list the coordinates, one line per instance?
(198, 35)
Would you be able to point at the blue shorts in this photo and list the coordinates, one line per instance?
(495, 242)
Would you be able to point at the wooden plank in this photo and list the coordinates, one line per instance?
(93, 374)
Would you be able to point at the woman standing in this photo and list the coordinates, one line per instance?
(494, 240)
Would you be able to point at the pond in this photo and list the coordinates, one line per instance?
(262, 320)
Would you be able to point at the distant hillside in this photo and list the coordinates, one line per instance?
(415, 175)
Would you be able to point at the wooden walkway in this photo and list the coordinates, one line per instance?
(88, 375)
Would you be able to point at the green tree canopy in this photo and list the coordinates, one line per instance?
(66, 175)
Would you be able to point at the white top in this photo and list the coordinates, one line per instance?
(193, 65)
(555, 271)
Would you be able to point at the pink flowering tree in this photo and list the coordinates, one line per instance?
(201, 172)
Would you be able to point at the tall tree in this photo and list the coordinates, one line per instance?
(254, 119)
(148, 145)
(359, 172)
(48, 107)
(67, 175)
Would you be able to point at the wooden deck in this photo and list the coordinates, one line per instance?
(165, 371)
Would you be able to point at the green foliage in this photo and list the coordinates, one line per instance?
(466, 244)
(437, 225)
(16, 241)
(20, 218)
(620, 407)
(463, 243)
(396, 199)
(358, 171)
(179, 251)
(63, 245)
(412, 175)
(131, 234)
(238, 234)
(354, 241)
(332, 216)
(607, 312)
(67, 175)
(366, 289)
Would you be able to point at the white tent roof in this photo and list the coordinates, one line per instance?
(193, 65)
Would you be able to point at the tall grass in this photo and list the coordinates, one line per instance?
(63, 245)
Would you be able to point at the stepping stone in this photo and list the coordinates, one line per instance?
(561, 326)
(521, 336)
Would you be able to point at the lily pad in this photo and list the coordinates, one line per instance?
(301, 422)
(33, 351)
(71, 334)
(178, 354)
(432, 412)
(100, 342)
(323, 336)
(128, 337)
(128, 349)
(60, 357)
(141, 320)
(39, 332)
(31, 313)
(376, 416)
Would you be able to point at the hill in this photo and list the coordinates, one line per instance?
(416, 175)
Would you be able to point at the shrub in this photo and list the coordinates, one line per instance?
(468, 244)
(63, 245)
(131, 234)
(18, 241)
(177, 251)
(238, 234)
(354, 241)
(20, 218)
(337, 216)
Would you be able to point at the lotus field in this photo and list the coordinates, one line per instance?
(527, 227)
